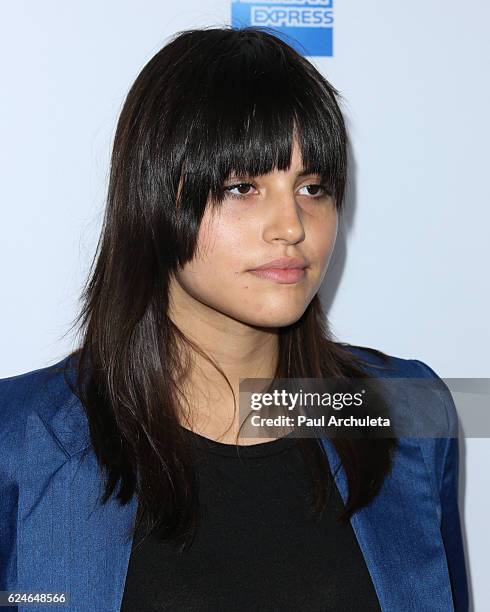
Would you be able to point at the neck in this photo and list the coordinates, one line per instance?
(240, 350)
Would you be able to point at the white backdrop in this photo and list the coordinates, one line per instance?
(410, 270)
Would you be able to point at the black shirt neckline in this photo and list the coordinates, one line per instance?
(261, 449)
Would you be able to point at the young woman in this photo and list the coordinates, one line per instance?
(125, 484)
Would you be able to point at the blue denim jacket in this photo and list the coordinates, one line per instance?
(55, 537)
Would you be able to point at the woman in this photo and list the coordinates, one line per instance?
(132, 490)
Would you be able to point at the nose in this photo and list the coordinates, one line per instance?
(283, 220)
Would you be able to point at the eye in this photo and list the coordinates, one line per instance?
(243, 190)
(319, 190)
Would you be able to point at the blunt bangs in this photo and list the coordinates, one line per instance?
(248, 95)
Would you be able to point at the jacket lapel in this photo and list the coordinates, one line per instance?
(67, 542)
(399, 535)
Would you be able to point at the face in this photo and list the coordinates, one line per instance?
(283, 214)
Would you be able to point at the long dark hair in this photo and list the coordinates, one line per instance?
(211, 101)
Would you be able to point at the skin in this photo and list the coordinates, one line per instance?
(234, 315)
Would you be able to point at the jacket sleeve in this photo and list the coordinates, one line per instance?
(448, 475)
(9, 493)
(12, 428)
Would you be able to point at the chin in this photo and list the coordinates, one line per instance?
(276, 319)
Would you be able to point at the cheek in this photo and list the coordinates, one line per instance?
(227, 247)
(222, 286)
(221, 260)
(322, 237)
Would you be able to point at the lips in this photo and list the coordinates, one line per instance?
(283, 263)
(281, 275)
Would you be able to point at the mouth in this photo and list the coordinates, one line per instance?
(281, 275)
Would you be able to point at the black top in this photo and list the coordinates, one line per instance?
(257, 546)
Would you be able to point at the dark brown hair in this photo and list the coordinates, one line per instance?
(211, 101)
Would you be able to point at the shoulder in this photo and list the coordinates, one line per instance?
(439, 453)
(382, 365)
(32, 392)
(38, 396)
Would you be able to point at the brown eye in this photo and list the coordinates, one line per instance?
(243, 189)
(316, 190)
